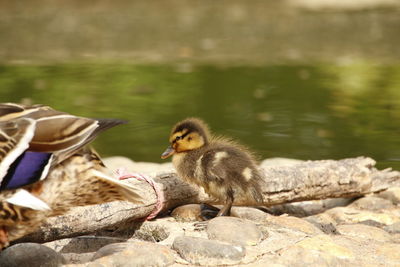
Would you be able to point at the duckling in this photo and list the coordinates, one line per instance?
(222, 167)
(45, 168)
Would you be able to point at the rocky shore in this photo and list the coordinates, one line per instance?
(331, 232)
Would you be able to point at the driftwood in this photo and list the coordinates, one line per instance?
(310, 180)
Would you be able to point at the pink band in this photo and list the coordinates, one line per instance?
(123, 174)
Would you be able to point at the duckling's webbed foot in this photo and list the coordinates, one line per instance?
(207, 212)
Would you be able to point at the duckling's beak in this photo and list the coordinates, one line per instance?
(168, 152)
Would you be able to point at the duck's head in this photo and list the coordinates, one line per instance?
(189, 134)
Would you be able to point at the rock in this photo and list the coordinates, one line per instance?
(30, 255)
(294, 223)
(373, 223)
(393, 228)
(364, 231)
(300, 256)
(207, 252)
(392, 194)
(78, 258)
(347, 215)
(325, 244)
(137, 253)
(365, 251)
(187, 213)
(278, 239)
(82, 244)
(109, 250)
(162, 230)
(235, 231)
(148, 168)
(270, 261)
(152, 232)
(390, 252)
(252, 214)
(324, 222)
(80, 249)
(371, 203)
(308, 208)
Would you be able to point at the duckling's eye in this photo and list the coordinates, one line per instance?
(178, 138)
(190, 138)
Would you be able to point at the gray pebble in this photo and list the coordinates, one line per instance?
(30, 255)
(234, 231)
(202, 251)
(372, 203)
(393, 228)
(139, 253)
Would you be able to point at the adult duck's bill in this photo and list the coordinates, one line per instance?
(168, 152)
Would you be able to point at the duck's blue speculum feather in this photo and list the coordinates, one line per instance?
(27, 169)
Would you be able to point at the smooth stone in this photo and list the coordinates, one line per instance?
(325, 244)
(364, 231)
(248, 213)
(393, 228)
(294, 223)
(30, 255)
(235, 231)
(161, 231)
(308, 208)
(372, 203)
(79, 249)
(373, 223)
(390, 251)
(324, 222)
(137, 253)
(198, 250)
(82, 244)
(392, 194)
(187, 213)
(152, 231)
(299, 256)
(364, 250)
(78, 258)
(348, 215)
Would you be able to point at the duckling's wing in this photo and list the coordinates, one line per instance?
(230, 166)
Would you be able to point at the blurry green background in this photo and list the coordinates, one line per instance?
(297, 79)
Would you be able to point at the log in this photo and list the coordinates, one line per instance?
(310, 180)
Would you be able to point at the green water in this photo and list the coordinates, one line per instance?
(306, 112)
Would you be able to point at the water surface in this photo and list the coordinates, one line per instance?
(307, 111)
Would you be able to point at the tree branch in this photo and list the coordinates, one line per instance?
(310, 180)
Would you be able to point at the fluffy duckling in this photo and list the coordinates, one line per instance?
(223, 168)
(45, 169)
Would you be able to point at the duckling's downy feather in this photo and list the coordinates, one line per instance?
(221, 166)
